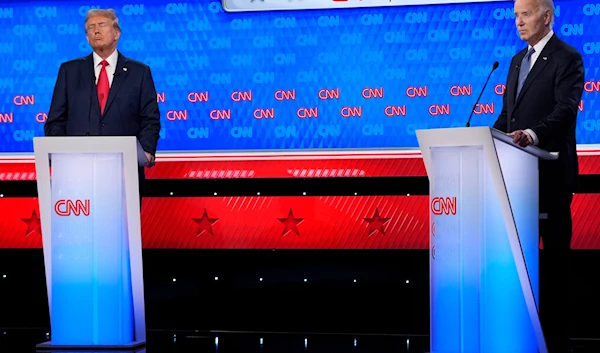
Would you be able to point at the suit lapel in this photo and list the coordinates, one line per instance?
(89, 83)
(118, 79)
(543, 59)
(513, 81)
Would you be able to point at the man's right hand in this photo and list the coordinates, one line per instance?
(521, 138)
(151, 160)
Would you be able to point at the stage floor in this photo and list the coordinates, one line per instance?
(25, 340)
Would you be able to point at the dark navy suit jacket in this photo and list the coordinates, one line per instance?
(131, 109)
(548, 104)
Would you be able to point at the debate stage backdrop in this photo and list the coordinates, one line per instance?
(313, 78)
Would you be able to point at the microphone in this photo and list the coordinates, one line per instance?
(486, 82)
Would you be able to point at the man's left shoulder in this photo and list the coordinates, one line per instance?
(134, 64)
(566, 49)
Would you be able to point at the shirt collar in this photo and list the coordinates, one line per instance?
(542, 43)
(112, 59)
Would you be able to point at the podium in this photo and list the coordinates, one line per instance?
(484, 241)
(90, 217)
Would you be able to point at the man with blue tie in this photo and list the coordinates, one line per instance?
(105, 93)
(543, 91)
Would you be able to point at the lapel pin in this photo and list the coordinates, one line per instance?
(545, 58)
(125, 69)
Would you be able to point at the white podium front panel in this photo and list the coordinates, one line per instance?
(456, 235)
(91, 285)
(478, 301)
(90, 215)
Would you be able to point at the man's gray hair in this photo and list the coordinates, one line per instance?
(548, 5)
(109, 13)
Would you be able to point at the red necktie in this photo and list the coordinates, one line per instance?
(103, 86)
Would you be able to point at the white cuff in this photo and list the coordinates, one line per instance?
(533, 137)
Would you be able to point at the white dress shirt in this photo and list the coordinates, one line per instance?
(110, 68)
(538, 50)
(539, 47)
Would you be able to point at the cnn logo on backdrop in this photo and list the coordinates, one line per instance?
(65, 208)
(443, 206)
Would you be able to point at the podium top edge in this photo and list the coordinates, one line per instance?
(536, 151)
(83, 144)
(90, 138)
(479, 135)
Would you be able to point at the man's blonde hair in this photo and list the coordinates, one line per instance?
(109, 13)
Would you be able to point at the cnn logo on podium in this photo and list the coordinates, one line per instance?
(65, 208)
(443, 206)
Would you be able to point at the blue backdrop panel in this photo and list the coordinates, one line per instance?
(334, 78)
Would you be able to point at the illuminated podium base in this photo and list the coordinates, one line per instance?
(484, 242)
(134, 347)
(90, 216)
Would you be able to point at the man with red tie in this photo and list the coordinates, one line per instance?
(105, 93)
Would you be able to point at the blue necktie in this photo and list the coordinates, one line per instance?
(525, 65)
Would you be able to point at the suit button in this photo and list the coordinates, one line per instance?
(512, 120)
(103, 125)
